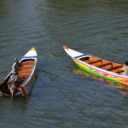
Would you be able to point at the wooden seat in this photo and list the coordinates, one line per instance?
(102, 65)
(23, 75)
(120, 71)
(113, 68)
(96, 61)
(25, 71)
(28, 62)
(91, 59)
(23, 68)
(27, 65)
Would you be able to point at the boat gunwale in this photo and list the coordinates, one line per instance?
(100, 69)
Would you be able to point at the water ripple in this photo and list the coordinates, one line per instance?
(61, 95)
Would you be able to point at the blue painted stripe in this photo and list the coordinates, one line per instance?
(4, 94)
(79, 56)
(29, 56)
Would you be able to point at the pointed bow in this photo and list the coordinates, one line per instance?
(31, 54)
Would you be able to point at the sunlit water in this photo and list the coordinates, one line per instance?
(62, 98)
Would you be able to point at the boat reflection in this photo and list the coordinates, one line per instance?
(121, 88)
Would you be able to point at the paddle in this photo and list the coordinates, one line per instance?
(11, 96)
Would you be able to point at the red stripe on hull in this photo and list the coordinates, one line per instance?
(26, 89)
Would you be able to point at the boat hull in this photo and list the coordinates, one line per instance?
(102, 74)
(109, 70)
(26, 74)
(24, 91)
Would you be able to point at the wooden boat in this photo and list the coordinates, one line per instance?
(99, 67)
(26, 73)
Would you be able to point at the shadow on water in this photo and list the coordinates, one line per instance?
(117, 86)
(16, 107)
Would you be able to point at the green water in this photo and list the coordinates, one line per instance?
(61, 98)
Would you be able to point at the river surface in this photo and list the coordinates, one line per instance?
(62, 97)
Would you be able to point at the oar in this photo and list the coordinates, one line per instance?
(12, 95)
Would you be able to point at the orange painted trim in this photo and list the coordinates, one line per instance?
(65, 47)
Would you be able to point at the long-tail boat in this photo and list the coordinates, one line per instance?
(26, 75)
(99, 67)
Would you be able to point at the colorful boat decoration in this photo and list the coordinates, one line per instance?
(99, 67)
(26, 75)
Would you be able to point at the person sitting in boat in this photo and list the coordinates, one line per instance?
(12, 82)
(15, 67)
(125, 68)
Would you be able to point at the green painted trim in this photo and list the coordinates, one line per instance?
(98, 75)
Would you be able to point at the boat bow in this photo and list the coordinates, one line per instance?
(72, 53)
(30, 54)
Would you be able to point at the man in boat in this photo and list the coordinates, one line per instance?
(13, 80)
(15, 67)
(125, 68)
